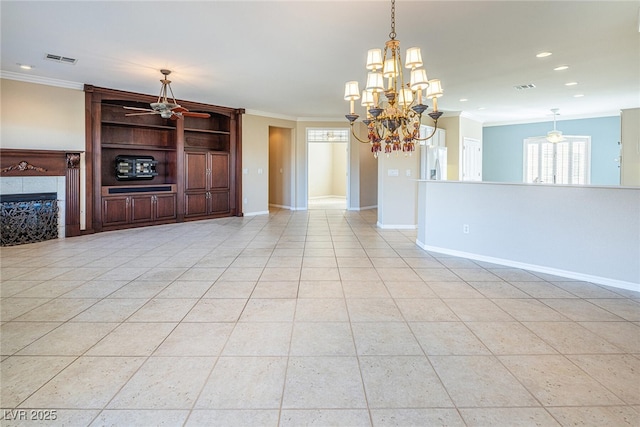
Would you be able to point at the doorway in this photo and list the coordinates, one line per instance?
(327, 168)
(280, 168)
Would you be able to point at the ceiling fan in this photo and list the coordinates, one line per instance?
(166, 109)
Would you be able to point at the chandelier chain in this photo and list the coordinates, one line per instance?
(392, 34)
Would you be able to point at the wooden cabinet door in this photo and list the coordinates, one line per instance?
(219, 171)
(195, 204)
(195, 171)
(115, 210)
(141, 208)
(219, 201)
(165, 206)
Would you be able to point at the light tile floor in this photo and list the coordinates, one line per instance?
(304, 318)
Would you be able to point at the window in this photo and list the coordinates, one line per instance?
(327, 135)
(564, 162)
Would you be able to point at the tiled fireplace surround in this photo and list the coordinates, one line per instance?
(36, 184)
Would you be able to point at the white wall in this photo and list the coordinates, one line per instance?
(630, 152)
(339, 169)
(40, 117)
(320, 170)
(363, 170)
(458, 128)
(397, 190)
(327, 169)
(586, 233)
(255, 158)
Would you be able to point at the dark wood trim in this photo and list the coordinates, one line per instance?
(37, 162)
(18, 163)
(238, 150)
(72, 202)
(88, 130)
(180, 205)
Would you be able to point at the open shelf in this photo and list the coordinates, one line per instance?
(136, 125)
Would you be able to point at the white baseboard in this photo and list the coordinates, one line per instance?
(396, 227)
(363, 208)
(327, 197)
(281, 207)
(621, 284)
(256, 213)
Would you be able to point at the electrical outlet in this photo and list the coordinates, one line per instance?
(465, 228)
(245, 200)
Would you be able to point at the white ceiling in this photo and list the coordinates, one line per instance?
(292, 58)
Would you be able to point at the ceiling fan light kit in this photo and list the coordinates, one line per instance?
(395, 123)
(166, 109)
(554, 136)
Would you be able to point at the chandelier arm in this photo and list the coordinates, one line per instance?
(356, 136)
(435, 128)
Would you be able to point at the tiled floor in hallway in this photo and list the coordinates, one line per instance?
(304, 318)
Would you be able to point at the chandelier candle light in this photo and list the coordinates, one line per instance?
(396, 122)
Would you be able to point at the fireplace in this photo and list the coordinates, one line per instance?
(29, 172)
(28, 218)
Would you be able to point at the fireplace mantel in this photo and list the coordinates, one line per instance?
(33, 163)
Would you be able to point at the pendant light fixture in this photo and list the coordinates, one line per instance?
(554, 135)
(396, 121)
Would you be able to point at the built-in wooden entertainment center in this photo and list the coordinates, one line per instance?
(147, 170)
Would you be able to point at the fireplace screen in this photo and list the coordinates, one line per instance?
(28, 218)
(129, 168)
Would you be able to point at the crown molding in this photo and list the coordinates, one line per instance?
(323, 119)
(602, 114)
(292, 118)
(28, 78)
(269, 115)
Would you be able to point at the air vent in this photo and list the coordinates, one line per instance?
(524, 87)
(59, 58)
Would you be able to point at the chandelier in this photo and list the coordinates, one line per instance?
(554, 136)
(396, 122)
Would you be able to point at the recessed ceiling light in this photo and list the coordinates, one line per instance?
(482, 108)
(543, 54)
(25, 66)
(560, 68)
(463, 99)
(578, 95)
(571, 84)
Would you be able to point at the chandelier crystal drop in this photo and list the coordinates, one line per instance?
(395, 120)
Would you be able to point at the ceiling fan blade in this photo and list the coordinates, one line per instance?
(138, 109)
(194, 114)
(141, 114)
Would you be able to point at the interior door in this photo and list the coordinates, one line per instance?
(471, 159)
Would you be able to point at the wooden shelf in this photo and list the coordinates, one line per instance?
(218, 132)
(138, 147)
(136, 125)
